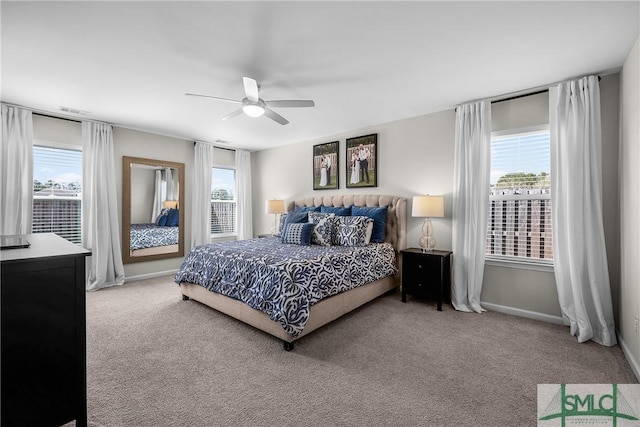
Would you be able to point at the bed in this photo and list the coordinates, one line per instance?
(250, 281)
(149, 239)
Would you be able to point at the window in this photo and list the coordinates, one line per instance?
(519, 221)
(57, 192)
(223, 202)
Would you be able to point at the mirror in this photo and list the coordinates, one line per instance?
(152, 209)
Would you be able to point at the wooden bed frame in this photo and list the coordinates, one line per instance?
(330, 308)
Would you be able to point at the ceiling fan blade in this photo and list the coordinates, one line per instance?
(232, 114)
(215, 97)
(289, 103)
(275, 116)
(250, 89)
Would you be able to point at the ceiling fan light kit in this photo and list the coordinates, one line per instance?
(253, 106)
(252, 109)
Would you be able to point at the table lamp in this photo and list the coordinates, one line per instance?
(428, 207)
(274, 207)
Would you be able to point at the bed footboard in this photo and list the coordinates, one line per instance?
(321, 313)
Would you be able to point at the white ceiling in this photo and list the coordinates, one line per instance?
(363, 63)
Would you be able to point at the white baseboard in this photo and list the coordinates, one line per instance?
(635, 367)
(523, 313)
(149, 275)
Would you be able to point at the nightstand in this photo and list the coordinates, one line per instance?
(426, 274)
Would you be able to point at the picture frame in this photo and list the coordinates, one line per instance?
(362, 166)
(326, 166)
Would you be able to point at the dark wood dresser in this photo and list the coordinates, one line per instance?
(43, 330)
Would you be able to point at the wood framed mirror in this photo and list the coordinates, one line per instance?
(152, 209)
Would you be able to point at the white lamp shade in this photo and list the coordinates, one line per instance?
(274, 207)
(428, 206)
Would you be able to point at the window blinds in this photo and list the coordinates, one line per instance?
(519, 220)
(57, 192)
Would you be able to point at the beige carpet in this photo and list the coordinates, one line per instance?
(155, 360)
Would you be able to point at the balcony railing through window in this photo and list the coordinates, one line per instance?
(223, 217)
(58, 214)
(519, 225)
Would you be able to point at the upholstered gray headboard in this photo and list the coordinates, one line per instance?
(396, 232)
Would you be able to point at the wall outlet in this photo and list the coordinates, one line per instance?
(637, 325)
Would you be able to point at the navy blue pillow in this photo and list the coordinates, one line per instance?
(307, 209)
(296, 216)
(337, 211)
(173, 218)
(161, 221)
(297, 234)
(379, 216)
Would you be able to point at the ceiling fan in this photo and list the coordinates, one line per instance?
(253, 106)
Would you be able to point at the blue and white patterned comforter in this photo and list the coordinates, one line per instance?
(284, 280)
(151, 235)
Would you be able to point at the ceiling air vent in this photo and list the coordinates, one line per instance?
(73, 111)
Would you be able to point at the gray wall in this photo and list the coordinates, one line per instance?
(628, 296)
(416, 157)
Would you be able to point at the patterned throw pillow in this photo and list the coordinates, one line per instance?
(283, 221)
(324, 228)
(352, 230)
(297, 233)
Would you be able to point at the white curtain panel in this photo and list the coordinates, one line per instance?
(201, 212)
(157, 196)
(16, 162)
(100, 229)
(243, 195)
(472, 165)
(172, 184)
(580, 260)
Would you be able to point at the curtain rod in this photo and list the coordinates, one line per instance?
(511, 98)
(215, 146)
(55, 117)
(529, 92)
(62, 117)
(43, 113)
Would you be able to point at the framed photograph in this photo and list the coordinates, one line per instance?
(362, 161)
(326, 165)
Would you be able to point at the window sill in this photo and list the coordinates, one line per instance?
(223, 237)
(520, 264)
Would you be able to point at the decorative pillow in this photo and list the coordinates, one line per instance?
(283, 221)
(297, 233)
(173, 218)
(314, 217)
(337, 211)
(379, 216)
(324, 228)
(296, 217)
(161, 220)
(307, 209)
(352, 230)
(367, 239)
